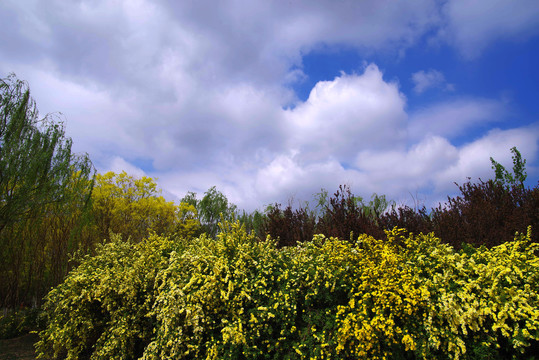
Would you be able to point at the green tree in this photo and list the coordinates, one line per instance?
(519, 174)
(36, 162)
(41, 180)
(377, 206)
(211, 209)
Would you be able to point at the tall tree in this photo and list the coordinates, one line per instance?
(211, 209)
(133, 207)
(36, 162)
(40, 178)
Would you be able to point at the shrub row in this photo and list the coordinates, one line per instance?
(485, 213)
(405, 297)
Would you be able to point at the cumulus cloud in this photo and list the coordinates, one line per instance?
(411, 167)
(424, 80)
(474, 158)
(350, 113)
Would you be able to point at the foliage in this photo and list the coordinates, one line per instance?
(211, 208)
(254, 222)
(387, 305)
(131, 206)
(405, 297)
(44, 192)
(484, 300)
(487, 213)
(415, 221)
(18, 322)
(519, 171)
(187, 223)
(346, 217)
(289, 226)
(36, 162)
(102, 308)
(343, 215)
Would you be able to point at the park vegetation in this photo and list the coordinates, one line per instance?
(104, 267)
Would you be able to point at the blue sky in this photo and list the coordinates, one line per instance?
(273, 100)
(506, 70)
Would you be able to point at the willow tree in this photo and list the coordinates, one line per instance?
(38, 176)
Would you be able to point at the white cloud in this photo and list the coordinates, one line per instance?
(474, 158)
(454, 118)
(288, 177)
(473, 25)
(118, 164)
(97, 121)
(424, 80)
(400, 172)
(350, 113)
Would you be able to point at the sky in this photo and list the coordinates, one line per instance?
(274, 100)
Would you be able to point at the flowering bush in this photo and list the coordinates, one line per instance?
(485, 301)
(102, 309)
(388, 304)
(236, 297)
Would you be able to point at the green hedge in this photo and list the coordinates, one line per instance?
(238, 298)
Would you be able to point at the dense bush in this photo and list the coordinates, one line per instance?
(483, 301)
(102, 308)
(346, 217)
(289, 226)
(404, 297)
(485, 213)
(415, 221)
(18, 322)
(343, 215)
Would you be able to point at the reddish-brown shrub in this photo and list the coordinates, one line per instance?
(345, 218)
(486, 213)
(289, 226)
(414, 221)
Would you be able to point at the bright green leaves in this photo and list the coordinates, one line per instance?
(519, 170)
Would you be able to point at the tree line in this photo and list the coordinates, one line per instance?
(55, 208)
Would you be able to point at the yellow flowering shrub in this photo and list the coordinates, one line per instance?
(235, 297)
(486, 301)
(383, 318)
(101, 310)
